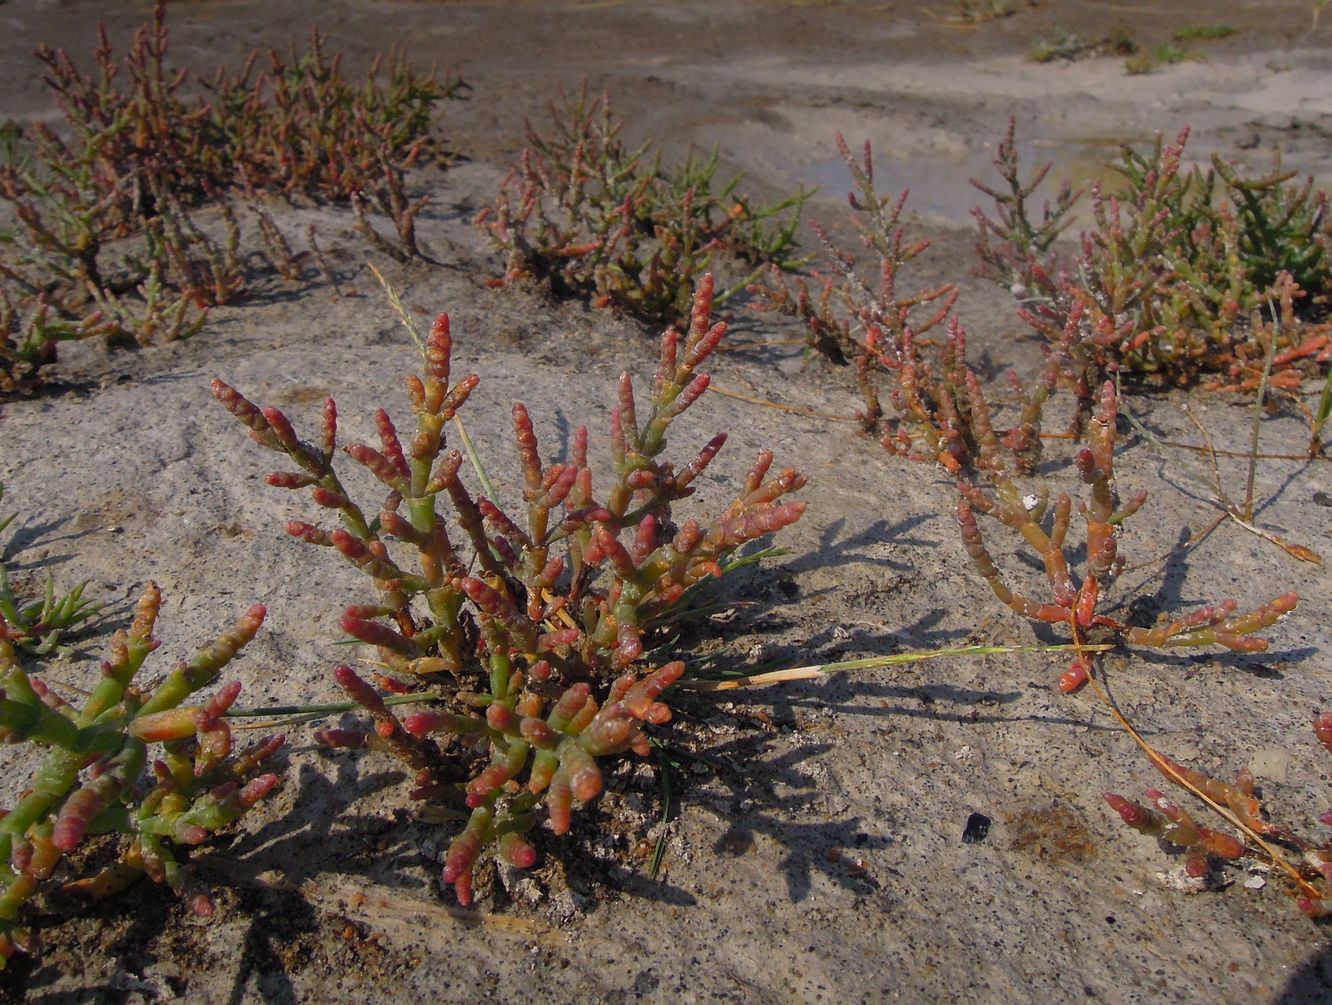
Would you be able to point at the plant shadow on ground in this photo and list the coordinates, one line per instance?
(779, 788)
(153, 909)
(284, 932)
(302, 846)
(1311, 984)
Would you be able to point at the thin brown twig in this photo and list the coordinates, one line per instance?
(1180, 549)
(793, 409)
(1222, 500)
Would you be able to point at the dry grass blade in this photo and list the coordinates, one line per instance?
(816, 670)
(1230, 509)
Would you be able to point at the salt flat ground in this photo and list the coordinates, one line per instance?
(816, 854)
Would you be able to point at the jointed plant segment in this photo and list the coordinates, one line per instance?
(536, 656)
(92, 779)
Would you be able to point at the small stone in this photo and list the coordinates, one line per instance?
(977, 829)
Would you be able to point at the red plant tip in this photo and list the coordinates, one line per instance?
(1326, 818)
(281, 427)
(1315, 908)
(502, 718)
(1130, 812)
(1077, 674)
(256, 788)
(481, 592)
(192, 835)
(439, 347)
(1322, 727)
(548, 641)
(422, 724)
(516, 851)
(1226, 845)
(1086, 463)
(171, 724)
(462, 887)
(308, 533)
(328, 498)
(203, 905)
(458, 862)
(226, 697)
(375, 634)
(288, 480)
(68, 832)
(350, 738)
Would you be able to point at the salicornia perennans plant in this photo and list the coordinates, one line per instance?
(109, 236)
(863, 316)
(600, 220)
(538, 658)
(1169, 274)
(1045, 529)
(93, 779)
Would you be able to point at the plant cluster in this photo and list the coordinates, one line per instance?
(96, 777)
(942, 415)
(36, 626)
(1045, 528)
(598, 219)
(529, 635)
(540, 661)
(1238, 804)
(1208, 32)
(1163, 54)
(861, 315)
(1169, 281)
(107, 238)
(1067, 45)
(980, 11)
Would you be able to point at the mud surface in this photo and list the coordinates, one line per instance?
(815, 850)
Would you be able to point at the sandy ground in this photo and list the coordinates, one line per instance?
(817, 853)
